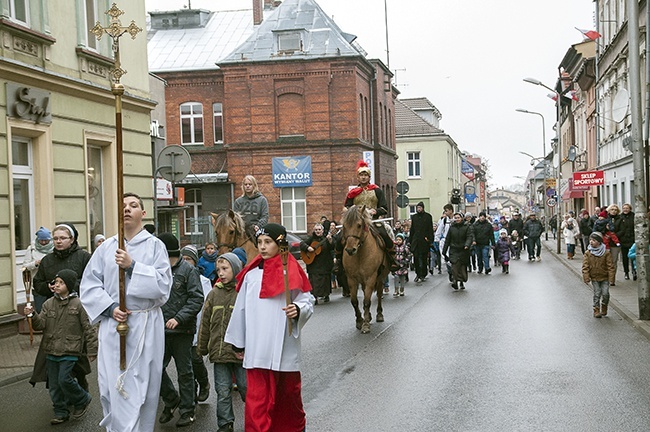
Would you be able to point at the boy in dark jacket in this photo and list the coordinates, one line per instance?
(66, 328)
(598, 268)
(214, 322)
(185, 302)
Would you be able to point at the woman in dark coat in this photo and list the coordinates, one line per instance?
(66, 255)
(318, 247)
(457, 244)
(624, 229)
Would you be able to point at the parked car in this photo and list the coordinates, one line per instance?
(294, 244)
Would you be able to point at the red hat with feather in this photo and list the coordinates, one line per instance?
(362, 166)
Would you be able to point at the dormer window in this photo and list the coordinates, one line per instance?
(289, 41)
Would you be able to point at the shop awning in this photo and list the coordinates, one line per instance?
(569, 194)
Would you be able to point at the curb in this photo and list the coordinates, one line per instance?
(642, 326)
(15, 378)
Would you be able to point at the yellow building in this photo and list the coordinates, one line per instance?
(429, 159)
(57, 143)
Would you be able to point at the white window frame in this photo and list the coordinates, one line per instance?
(218, 114)
(91, 41)
(290, 41)
(195, 209)
(98, 179)
(24, 172)
(290, 205)
(192, 116)
(413, 164)
(12, 11)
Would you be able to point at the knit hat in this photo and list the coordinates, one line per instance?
(190, 251)
(151, 228)
(468, 215)
(69, 227)
(401, 235)
(503, 231)
(98, 238)
(241, 254)
(596, 236)
(43, 234)
(69, 277)
(171, 243)
(275, 231)
(603, 214)
(234, 262)
(362, 166)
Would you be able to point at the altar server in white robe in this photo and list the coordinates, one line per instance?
(129, 398)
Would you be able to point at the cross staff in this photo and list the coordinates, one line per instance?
(115, 30)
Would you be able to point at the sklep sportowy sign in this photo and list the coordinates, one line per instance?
(589, 178)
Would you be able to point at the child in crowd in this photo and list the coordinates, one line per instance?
(207, 262)
(598, 268)
(258, 331)
(516, 243)
(504, 249)
(66, 329)
(402, 259)
(214, 322)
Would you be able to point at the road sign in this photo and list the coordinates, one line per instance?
(551, 202)
(402, 201)
(174, 163)
(402, 187)
(550, 182)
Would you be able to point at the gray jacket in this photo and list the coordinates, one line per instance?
(254, 210)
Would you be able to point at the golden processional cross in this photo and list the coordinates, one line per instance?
(115, 30)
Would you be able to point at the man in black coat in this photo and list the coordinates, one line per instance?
(420, 238)
(484, 241)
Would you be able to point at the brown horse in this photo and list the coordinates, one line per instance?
(230, 232)
(365, 263)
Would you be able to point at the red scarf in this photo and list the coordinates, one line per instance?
(273, 276)
(354, 192)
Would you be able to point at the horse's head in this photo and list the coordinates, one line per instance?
(355, 228)
(228, 230)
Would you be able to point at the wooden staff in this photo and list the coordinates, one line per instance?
(115, 30)
(27, 281)
(284, 255)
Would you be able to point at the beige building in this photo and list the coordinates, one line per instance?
(429, 159)
(57, 143)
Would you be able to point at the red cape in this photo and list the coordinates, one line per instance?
(273, 276)
(357, 190)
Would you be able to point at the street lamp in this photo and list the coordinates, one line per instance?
(559, 151)
(544, 206)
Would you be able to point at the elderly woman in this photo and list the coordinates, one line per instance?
(570, 230)
(252, 205)
(42, 246)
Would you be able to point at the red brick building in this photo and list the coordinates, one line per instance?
(296, 87)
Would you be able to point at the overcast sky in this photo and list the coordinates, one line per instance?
(469, 58)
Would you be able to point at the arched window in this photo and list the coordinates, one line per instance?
(191, 123)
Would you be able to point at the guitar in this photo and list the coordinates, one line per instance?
(308, 257)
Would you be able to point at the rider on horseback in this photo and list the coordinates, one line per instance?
(252, 206)
(370, 195)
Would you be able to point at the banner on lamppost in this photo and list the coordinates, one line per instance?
(467, 169)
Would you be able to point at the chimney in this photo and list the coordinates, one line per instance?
(258, 9)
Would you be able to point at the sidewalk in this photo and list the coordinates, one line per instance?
(624, 297)
(17, 358)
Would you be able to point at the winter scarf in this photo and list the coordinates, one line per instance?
(273, 276)
(209, 257)
(49, 247)
(598, 251)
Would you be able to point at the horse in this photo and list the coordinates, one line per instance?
(230, 233)
(365, 263)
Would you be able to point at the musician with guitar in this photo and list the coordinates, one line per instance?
(316, 252)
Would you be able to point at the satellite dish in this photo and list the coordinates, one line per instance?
(620, 105)
(174, 163)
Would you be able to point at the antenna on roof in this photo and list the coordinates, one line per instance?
(386, 19)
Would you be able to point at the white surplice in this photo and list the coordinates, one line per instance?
(260, 326)
(129, 398)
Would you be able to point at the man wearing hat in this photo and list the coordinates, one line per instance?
(533, 229)
(185, 302)
(420, 238)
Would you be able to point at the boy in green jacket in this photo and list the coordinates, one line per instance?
(216, 314)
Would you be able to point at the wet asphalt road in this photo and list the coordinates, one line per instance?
(517, 352)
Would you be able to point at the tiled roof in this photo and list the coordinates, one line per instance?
(421, 103)
(321, 37)
(199, 48)
(409, 123)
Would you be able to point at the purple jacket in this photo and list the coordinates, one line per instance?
(504, 248)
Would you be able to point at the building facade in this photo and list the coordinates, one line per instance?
(57, 144)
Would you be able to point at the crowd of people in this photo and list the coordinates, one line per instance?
(246, 317)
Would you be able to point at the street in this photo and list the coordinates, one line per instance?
(513, 352)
